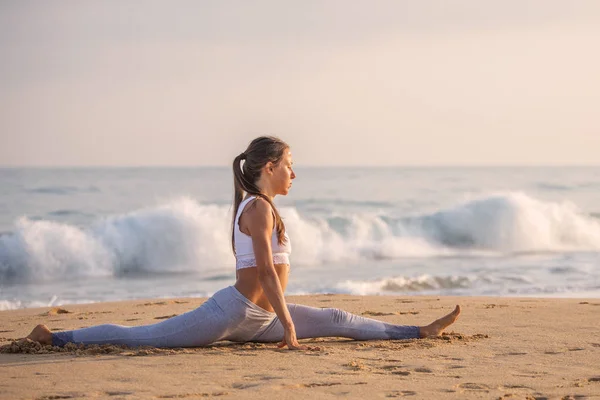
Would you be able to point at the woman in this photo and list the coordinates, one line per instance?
(254, 309)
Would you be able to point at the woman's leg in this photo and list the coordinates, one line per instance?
(212, 321)
(202, 326)
(325, 322)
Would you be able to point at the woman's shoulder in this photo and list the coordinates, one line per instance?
(258, 208)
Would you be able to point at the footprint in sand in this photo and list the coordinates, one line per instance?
(262, 377)
(400, 393)
(391, 367)
(377, 313)
(162, 303)
(515, 387)
(495, 305)
(403, 373)
(424, 370)
(473, 386)
(157, 303)
(184, 395)
(318, 384)
(553, 352)
(166, 316)
(244, 385)
(118, 393)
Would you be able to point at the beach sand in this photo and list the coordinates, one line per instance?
(500, 348)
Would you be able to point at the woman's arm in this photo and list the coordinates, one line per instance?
(260, 225)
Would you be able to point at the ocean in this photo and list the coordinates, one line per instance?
(81, 235)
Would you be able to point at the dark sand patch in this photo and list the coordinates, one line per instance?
(184, 395)
(377, 313)
(56, 311)
(162, 303)
(381, 313)
(166, 316)
(495, 305)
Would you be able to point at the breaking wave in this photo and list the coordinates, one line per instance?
(185, 236)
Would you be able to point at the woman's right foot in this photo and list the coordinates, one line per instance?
(437, 327)
(40, 334)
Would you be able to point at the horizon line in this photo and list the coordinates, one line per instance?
(149, 166)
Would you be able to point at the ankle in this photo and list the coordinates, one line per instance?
(424, 331)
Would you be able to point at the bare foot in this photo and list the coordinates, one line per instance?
(40, 334)
(437, 326)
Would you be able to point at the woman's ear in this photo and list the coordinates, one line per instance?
(269, 167)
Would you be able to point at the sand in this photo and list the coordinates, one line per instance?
(500, 348)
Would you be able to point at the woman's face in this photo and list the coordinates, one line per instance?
(283, 174)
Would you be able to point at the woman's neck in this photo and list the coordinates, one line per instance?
(265, 189)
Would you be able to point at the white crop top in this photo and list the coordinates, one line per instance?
(244, 252)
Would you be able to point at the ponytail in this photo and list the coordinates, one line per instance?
(260, 151)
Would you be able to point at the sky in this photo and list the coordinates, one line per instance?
(345, 83)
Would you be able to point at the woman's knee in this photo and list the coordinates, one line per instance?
(338, 316)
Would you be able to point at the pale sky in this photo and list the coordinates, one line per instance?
(186, 83)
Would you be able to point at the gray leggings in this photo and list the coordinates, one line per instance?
(228, 315)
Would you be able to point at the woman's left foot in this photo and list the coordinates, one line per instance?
(40, 334)
(437, 327)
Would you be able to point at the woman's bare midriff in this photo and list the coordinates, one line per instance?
(248, 284)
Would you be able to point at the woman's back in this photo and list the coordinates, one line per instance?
(254, 239)
(244, 249)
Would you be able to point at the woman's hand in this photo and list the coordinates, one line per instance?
(289, 339)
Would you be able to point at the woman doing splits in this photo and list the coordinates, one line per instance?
(254, 309)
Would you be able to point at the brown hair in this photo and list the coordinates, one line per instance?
(259, 152)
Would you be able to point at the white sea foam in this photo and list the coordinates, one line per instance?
(498, 223)
(184, 236)
(18, 304)
(177, 237)
(402, 284)
(511, 222)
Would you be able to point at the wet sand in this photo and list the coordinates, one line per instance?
(500, 348)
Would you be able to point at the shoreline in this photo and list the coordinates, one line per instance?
(583, 296)
(500, 347)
